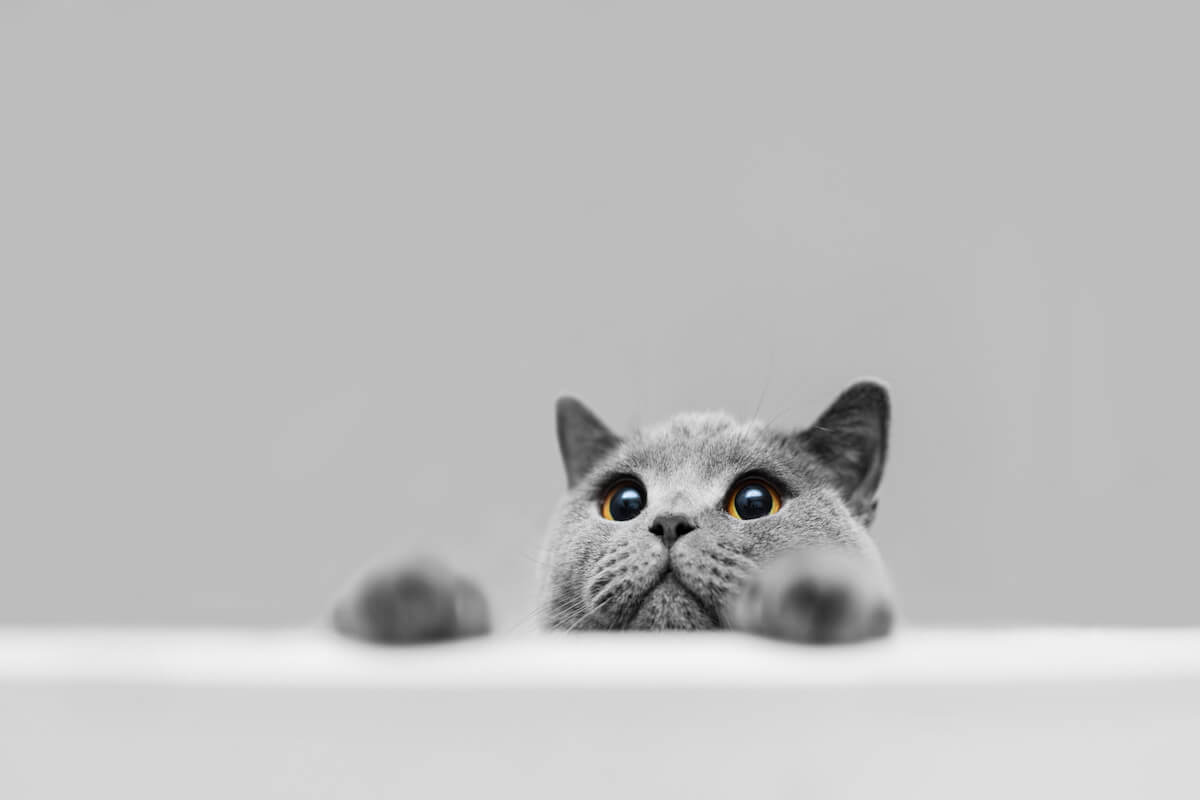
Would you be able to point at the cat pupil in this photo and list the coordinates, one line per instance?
(752, 501)
(627, 504)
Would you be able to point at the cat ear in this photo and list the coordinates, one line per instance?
(582, 438)
(850, 438)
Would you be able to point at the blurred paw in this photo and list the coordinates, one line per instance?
(821, 597)
(409, 603)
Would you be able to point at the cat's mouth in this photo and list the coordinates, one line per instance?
(641, 590)
(669, 605)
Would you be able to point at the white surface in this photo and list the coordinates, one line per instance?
(1022, 713)
(312, 658)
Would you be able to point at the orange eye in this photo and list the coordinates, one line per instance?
(624, 501)
(753, 499)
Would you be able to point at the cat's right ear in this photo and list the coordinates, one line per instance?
(582, 438)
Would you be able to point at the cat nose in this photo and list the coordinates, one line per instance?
(671, 526)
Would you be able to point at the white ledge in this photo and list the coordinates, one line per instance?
(301, 714)
(315, 658)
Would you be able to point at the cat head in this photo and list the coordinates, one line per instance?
(658, 529)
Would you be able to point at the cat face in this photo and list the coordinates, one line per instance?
(658, 530)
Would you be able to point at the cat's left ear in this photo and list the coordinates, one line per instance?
(582, 438)
(850, 438)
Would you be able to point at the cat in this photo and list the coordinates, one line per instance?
(699, 523)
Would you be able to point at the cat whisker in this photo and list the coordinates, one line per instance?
(528, 618)
(558, 614)
(587, 616)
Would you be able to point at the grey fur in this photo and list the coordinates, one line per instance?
(808, 573)
(602, 574)
(408, 603)
(582, 438)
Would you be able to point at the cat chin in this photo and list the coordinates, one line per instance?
(669, 606)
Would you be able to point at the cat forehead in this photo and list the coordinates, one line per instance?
(708, 442)
(693, 425)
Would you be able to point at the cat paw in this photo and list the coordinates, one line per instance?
(410, 603)
(815, 598)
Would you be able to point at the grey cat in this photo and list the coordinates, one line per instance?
(701, 522)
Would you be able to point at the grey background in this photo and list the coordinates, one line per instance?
(287, 287)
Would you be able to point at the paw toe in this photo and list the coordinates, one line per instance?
(412, 603)
(817, 601)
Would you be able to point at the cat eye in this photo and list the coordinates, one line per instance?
(752, 499)
(624, 501)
